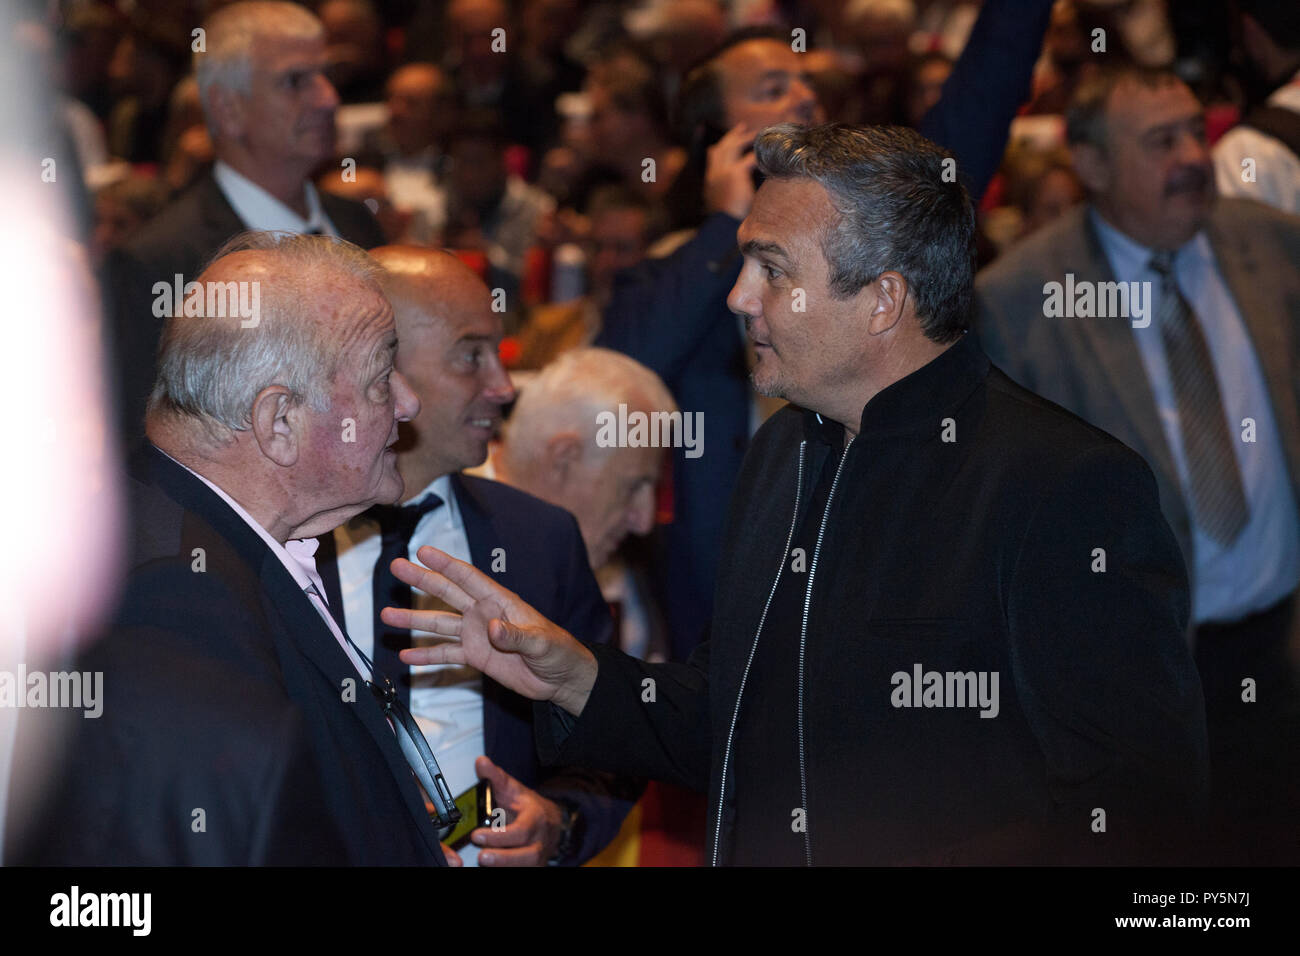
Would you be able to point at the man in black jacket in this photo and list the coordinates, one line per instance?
(950, 615)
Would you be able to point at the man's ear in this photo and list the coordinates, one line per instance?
(1091, 166)
(277, 425)
(226, 112)
(563, 452)
(889, 302)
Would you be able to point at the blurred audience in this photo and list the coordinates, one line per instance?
(1260, 159)
(618, 228)
(121, 208)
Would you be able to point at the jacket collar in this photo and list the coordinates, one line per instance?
(916, 402)
(305, 628)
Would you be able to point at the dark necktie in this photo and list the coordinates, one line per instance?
(1218, 498)
(396, 525)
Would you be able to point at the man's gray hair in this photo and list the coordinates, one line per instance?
(230, 35)
(569, 393)
(1086, 115)
(211, 369)
(900, 209)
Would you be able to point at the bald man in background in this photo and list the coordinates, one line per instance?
(449, 337)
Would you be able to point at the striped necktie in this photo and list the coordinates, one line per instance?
(1218, 498)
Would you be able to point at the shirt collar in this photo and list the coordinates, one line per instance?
(440, 486)
(258, 209)
(916, 401)
(1129, 258)
(296, 555)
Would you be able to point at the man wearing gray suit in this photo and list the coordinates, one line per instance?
(1172, 321)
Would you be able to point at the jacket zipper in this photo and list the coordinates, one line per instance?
(726, 754)
(803, 640)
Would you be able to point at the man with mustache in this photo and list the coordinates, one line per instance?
(1204, 386)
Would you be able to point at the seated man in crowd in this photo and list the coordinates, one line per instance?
(550, 447)
(237, 726)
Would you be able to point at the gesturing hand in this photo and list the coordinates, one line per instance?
(495, 632)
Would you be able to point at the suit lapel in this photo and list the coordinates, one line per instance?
(219, 217)
(1116, 355)
(1264, 318)
(327, 565)
(1110, 352)
(286, 602)
(314, 641)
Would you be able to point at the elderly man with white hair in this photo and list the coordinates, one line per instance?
(554, 446)
(269, 108)
(239, 724)
(550, 446)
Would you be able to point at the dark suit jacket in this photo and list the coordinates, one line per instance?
(180, 240)
(545, 564)
(224, 693)
(1093, 367)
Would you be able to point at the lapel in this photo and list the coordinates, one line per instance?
(218, 216)
(1264, 313)
(301, 622)
(327, 565)
(483, 536)
(1116, 356)
(1110, 356)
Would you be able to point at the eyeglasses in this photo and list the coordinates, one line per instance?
(415, 748)
(418, 753)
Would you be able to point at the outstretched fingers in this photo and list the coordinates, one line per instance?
(442, 623)
(448, 653)
(469, 579)
(432, 581)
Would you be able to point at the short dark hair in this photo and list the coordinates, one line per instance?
(900, 208)
(1085, 117)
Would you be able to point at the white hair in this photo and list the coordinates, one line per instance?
(569, 394)
(230, 35)
(211, 370)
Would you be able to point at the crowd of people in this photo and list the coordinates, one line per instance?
(572, 208)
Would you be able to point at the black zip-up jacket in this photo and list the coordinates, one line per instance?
(975, 528)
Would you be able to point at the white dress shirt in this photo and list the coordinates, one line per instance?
(1262, 566)
(1276, 167)
(446, 699)
(258, 209)
(298, 558)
